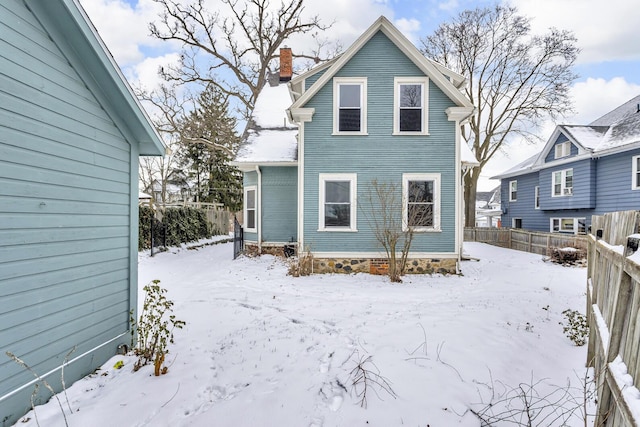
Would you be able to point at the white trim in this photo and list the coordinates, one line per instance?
(511, 183)
(574, 228)
(423, 82)
(435, 177)
(362, 82)
(245, 216)
(562, 150)
(634, 173)
(301, 187)
(353, 188)
(513, 222)
(536, 197)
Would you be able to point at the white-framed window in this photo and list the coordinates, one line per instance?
(562, 183)
(536, 197)
(350, 105)
(516, 222)
(562, 150)
(568, 225)
(410, 105)
(513, 191)
(421, 201)
(635, 175)
(337, 202)
(250, 219)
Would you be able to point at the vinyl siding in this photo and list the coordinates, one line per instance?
(65, 210)
(380, 155)
(550, 157)
(584, 172)
(613, 183)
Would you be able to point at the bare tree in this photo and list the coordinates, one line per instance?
(392, 231)
(516, 79)
(242, 44)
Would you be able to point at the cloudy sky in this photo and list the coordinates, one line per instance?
(609, 64)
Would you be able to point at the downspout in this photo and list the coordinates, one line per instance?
(259, 213)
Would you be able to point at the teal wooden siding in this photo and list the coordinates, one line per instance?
(279, 204)
(379, 155)
(67, 175)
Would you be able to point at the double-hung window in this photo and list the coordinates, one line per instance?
(562, 150)
(250, 209)
(421, 202)
(410, 105)
(562, 183)
(350, 105)
(513, 191)
(337, 202)
(635, 175)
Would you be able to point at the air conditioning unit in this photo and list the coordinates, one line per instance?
(568, 191)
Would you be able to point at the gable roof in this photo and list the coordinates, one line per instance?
(593, 140)
(71, 28)
(446, 82)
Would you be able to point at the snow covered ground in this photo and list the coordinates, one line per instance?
(261, 348)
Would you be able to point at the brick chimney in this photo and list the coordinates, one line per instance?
(286, 64)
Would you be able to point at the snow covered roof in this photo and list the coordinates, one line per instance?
(269, 137)
(616, 131)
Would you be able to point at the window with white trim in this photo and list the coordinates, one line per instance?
(635, 175)
(250, 209)
(513, 191)
(562, 150)
(410, 105)
(516, 222)
(350, 105)
(337, 202)
(568, 225)
(421, 201)
(536, 197)
(562, 183)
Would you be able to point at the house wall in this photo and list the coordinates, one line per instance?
(279, 204)
(613, 183)
(551, 154)
(379, 155)
(584, 172)
(65, 216)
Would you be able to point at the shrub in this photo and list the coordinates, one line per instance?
(577, 329)
(154, 330)
(178, 225)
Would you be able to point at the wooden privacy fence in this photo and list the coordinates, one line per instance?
(523, 240)
(613, 312)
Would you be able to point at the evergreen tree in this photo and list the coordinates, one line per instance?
(209, 141)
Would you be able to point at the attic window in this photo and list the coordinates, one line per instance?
(410, 105)
(563, 150)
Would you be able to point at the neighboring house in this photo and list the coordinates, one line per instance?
(380, 111)
(71, 132)
(488, 208)
(582, 171)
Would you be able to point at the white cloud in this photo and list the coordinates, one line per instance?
(410, 28)
(123, 28)
(144, 74)
(606, 30)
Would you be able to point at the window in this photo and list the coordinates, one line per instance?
(568, 225)
(563, 149)
(513, 191)
(536, 196)
(350, 105)
(635, 176)
(421, 201)
(410, 105)
(516, 222)
(337, 202)
(250, 209)
(562, 183)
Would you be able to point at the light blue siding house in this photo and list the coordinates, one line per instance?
(582, 171)
(71, 132)
(380, 112)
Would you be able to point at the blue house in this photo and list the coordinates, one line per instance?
(381, 112)
(582, 171)
(71, 132)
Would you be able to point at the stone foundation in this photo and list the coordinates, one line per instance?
(251, 249)
(380, 266)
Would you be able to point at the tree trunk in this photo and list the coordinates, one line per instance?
(470, 187)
